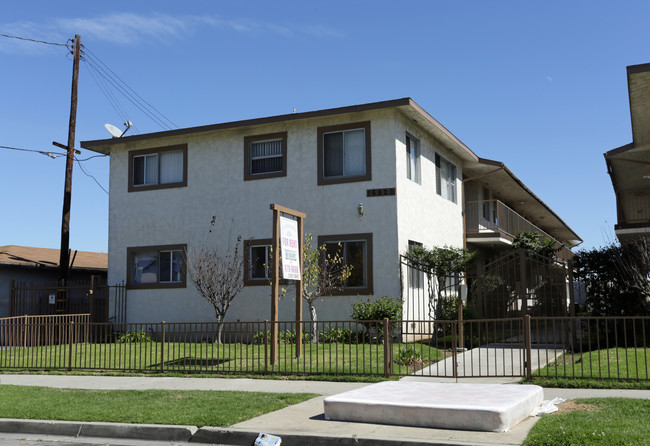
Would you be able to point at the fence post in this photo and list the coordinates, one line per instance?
(266, 346)
(162, 346)
(24, 331)
(388, 338)
(523, 287)
(454, 349)
(528, 363)
(71, 343)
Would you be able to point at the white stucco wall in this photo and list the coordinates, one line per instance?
(216, 187)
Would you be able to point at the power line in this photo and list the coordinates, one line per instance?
(42, 152)
(110, 78)
(33, 40)
(89, 175)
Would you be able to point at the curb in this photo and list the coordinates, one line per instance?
(211, 435)
(97, 429)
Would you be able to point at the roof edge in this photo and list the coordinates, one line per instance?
(641, 68)
(530, 192)
(91, 144)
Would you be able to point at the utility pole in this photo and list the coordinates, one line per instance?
(64, 258)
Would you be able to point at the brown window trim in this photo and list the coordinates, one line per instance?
(146, 286)
(134, 153)
(247, 244)
(322, 179)
(367, 237)
(247, 154)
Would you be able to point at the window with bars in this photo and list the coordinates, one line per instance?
(158, 168)
(265, 156)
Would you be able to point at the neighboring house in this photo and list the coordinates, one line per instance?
(629, 166)
(40, 266)
(377, 178)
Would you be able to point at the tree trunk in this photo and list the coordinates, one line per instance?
(314, 324)
(219, 339)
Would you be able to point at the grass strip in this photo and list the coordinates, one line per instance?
(595, 421)
(186, 407)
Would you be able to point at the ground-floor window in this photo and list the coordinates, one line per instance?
(356, 251)
(156, 266)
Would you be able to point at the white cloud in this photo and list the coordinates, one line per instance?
(131, 28)
(549, 78)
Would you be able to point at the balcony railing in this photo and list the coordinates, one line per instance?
(487, 218)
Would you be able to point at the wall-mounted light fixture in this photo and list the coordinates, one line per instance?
(362, 212)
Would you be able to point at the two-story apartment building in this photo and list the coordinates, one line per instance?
(376, 178)
(629, 166)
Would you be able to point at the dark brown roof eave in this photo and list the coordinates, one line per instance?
(103, 145)
(530, 192)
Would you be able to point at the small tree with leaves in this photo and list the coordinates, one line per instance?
(323, 273)
(218, 276)
(442, 263)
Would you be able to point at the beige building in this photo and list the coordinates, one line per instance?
(376, 177)
(629, 166)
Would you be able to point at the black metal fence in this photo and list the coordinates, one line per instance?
(104, 303)
(552, 347)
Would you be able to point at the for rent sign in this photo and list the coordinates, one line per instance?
(289, 248)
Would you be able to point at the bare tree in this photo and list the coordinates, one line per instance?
(633, 263)
(218, 276)
(322, 274)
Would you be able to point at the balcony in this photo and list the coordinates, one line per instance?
(633, 214)
(492, 222)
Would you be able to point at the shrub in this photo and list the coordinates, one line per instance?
(408, 356)
(377, 309)
(341, 335)
(284, 337)
(134, 336)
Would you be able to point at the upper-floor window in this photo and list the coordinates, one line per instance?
(265, 156)
(445, 179)
(355, 250)
(257, 261)
(158, 168)
(344, 153)
(413, 159)
(156, 266)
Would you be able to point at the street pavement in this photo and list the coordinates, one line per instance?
(299, 424)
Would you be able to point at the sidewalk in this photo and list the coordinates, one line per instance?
(298, 424)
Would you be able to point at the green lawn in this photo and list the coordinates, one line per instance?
(614, 363)
(188, 407)
(322, 359)
(610, 421)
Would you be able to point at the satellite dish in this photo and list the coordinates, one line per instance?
(116, 132)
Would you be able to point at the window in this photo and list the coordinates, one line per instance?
(344, 153)
(156, 267)
(415, 276)
(265, 156)
(356, 251)
(445, 179)
(257, 262)
(158, 168)
(413, 159)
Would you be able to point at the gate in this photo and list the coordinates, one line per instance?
(522, 283)
(501, 297)
(104, 303)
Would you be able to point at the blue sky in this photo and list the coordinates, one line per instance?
(540, 86)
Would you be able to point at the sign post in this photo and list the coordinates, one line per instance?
(287, 247)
